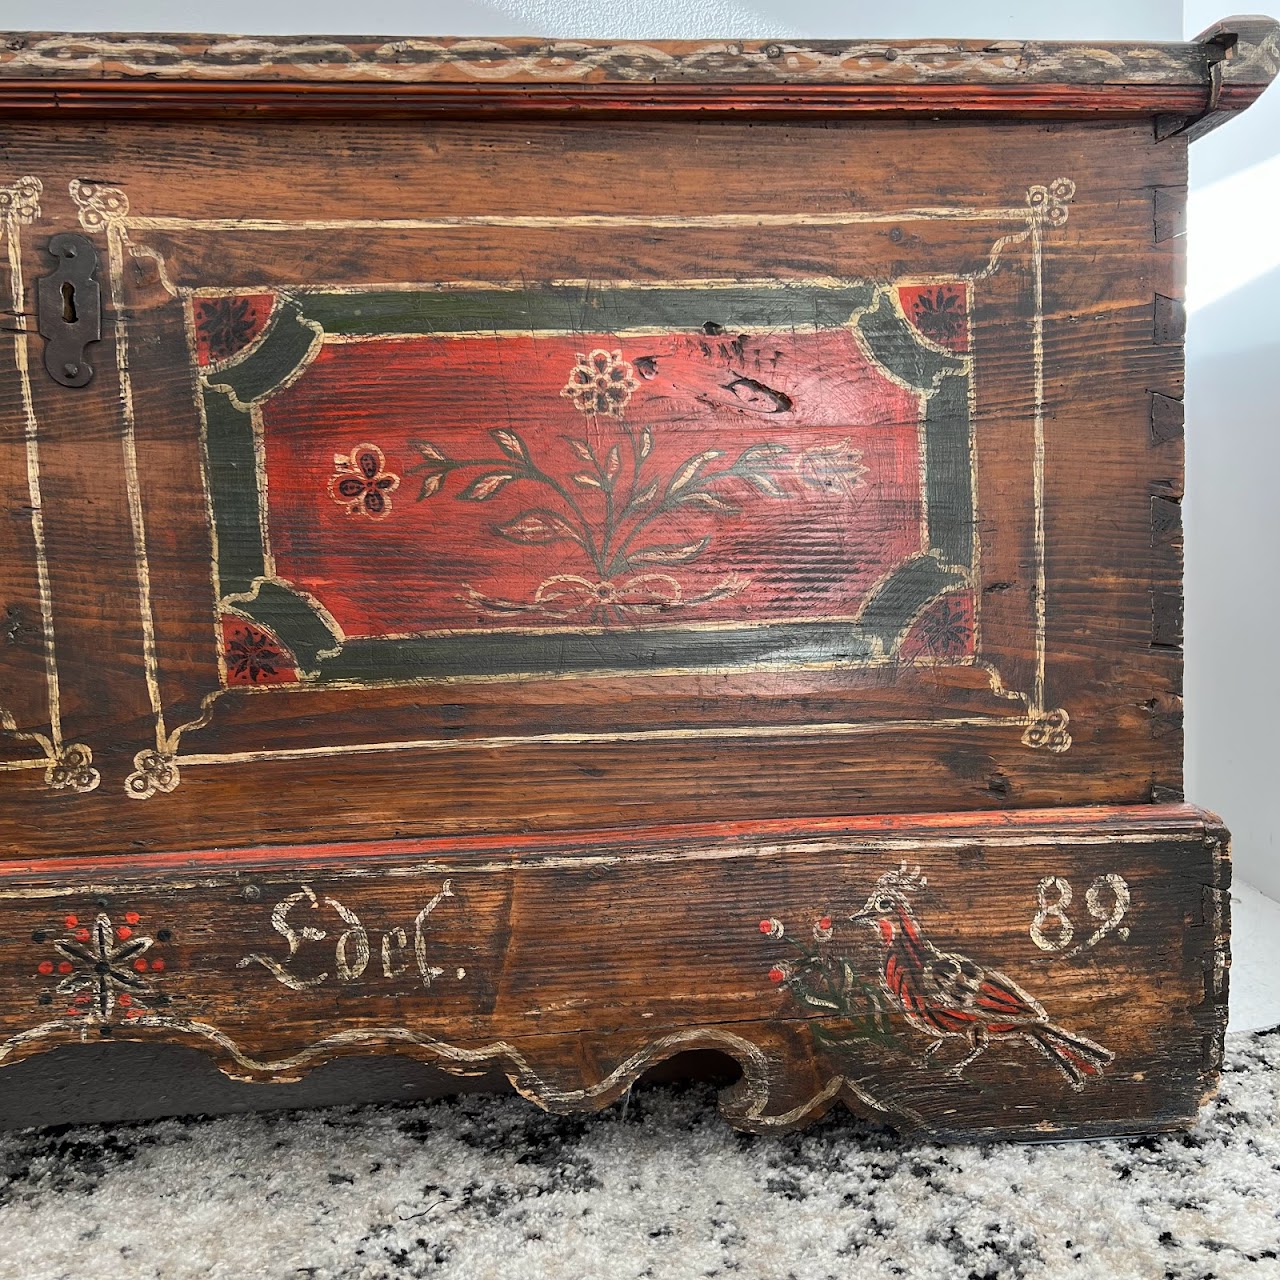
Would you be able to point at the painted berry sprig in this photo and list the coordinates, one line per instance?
(821, 978)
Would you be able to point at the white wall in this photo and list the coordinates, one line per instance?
(1232, 515)
(1231, 511)
(1085, 19)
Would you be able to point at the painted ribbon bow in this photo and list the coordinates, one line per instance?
(568, 595)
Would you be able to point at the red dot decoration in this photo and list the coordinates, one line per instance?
(766, 926)
(825, 922)
(140, 965)
(73, 1009)
(776, 975)
(71, 922)
(65, 967)
(45, 966)
(125, 999)
(132, 917)
(157, 965)
(82, 935)
(124, 933)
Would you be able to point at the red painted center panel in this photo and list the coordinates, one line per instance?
(520, 482)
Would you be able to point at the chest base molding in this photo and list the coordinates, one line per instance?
(955, 975)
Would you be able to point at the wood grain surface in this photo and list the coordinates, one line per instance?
(359, 206)
(536, 507)
(1191, 85)
(572, 967)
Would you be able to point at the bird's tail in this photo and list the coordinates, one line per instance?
(1078, 1059)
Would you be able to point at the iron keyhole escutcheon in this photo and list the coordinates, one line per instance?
(69, 309)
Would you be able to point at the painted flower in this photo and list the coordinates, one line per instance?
(21, 201)
(153, 772)
(101, 964)
(833, 467)
(939, 314)
(72, 769)
(253, 656)
(1049, 203)
(601, 382)
(1048, 729)
(771, 928)
(362, 483)
(225, 324)
(777, 974)
(822, 930)
(945, 629)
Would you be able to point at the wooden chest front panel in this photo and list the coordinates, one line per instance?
(1064, 973)
(439, 477)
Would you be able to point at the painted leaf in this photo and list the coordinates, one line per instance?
(646, 442)
(765, 483)
(833, 466)
(816, 1002)
(484, 487)
(711, 501)
(587, 482)
(428, 451)
(511, 445)
(431, 483)
(611, 465)
(671, 554)
(691, 469)
(761, 453)
(646, 494)
(537, 528)
(583, 450)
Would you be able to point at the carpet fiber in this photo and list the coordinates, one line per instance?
(481, 1187)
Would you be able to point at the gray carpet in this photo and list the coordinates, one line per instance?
(481, 1187)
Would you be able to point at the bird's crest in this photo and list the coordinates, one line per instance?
(906, 880)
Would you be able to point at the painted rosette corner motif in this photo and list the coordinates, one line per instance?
(577, 479)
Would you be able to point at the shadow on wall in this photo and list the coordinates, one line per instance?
(1232, 517)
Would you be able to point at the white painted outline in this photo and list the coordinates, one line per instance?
(102, 207)
(66, 765)
(744, 1104)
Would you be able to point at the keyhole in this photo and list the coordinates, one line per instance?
(69, 302)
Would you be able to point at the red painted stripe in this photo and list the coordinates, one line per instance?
(950, 1020)
(301, 98)
(1000, 1000)
(611, 841)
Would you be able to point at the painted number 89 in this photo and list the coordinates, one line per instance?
(1107, 899)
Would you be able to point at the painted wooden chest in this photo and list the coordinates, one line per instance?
(541, 556)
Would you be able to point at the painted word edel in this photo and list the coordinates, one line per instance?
(352, 951)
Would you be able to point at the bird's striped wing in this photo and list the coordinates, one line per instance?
(959, 986)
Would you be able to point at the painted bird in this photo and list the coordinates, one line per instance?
(946, 994)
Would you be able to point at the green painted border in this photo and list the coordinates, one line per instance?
(293, 617)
